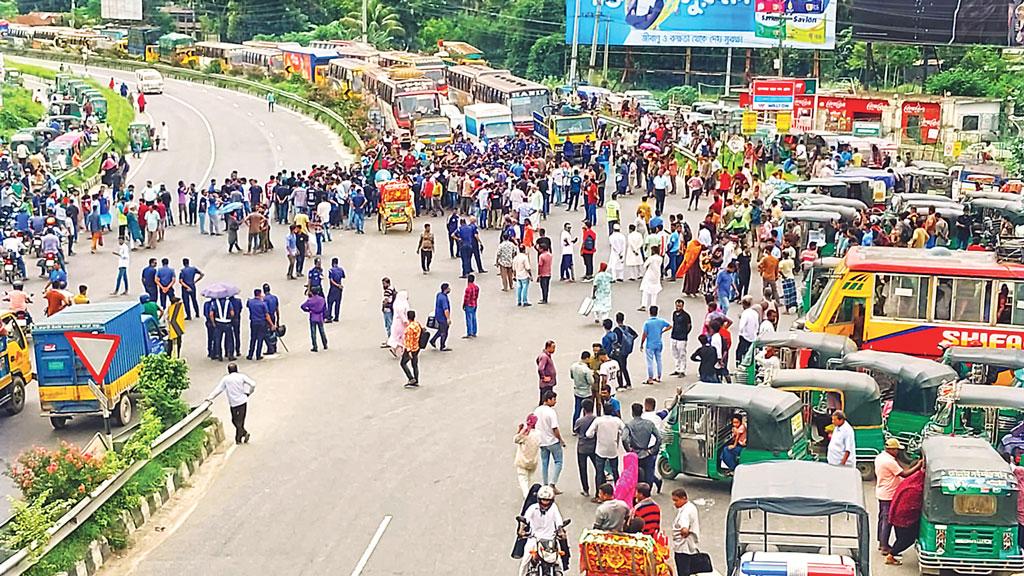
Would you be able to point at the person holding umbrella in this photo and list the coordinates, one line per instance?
(220, 316)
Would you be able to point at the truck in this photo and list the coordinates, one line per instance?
(15, 364)
(64, 379)
(488, 121)
(554, 126)
(433, 132)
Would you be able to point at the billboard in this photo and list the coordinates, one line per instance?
(121, 9)
(708, 23)
(940, 22)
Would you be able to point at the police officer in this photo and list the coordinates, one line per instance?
(211, 329)
(259, 322)
(188, 278)
(165, 278)
(273, 309)
(222, 316)
(236, 325)
(336, 277)
(149, 279)
(316, 276)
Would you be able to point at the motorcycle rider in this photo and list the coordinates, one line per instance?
(543, 522)
(19, 301)
(15, 246)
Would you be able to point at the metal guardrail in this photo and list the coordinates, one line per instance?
(22, 560)
(285, 98)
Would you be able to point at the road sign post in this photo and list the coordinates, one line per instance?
(96, 351)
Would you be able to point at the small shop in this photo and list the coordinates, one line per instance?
(921, 121)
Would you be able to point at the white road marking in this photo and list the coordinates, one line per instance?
(209, 132)
(371, 546)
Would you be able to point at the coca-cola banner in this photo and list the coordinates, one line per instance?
(940, 22)
(921, 121)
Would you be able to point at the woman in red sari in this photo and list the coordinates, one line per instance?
(690, 271)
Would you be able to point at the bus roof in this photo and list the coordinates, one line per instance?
(938, 261)
(352, 64)
(314, 52)
(510, 83)
(220, 45)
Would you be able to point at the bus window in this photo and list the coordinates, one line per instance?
(971, 300)
(1005, 311)
(903, 297)
(849, 319)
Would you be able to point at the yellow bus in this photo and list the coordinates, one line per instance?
(208, 52)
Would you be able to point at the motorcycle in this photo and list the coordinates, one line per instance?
(11, 272)
(24, 322)
(546, 557)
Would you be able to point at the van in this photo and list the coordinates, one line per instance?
(149, 81)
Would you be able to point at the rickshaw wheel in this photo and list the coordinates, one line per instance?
(408, 225)
(665, 469)
(384, 228)
(867, 470)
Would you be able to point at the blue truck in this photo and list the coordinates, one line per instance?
(64, 380)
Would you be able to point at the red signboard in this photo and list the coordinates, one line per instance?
(96, 351)
(772, 94)
(921, 121)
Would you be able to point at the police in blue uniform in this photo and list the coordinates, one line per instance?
(259, 323)
(335, 276)
(165, 276)
(222, 315)
(188, 277)
(149, 279)
(211, 328)
(315, 276)
(236, 326)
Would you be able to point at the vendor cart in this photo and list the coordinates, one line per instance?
(616, 554)
(396, 208)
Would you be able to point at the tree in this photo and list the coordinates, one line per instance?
(436, 29)
(546, 57)
(383, 26)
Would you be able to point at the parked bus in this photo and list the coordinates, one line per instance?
(347, 75)
(76, 40)
(404, 98)
(462, 79)
(431, 66)
(209, 52)
(456, 53)
(141, 36)
(268, 60)
(176, 48)
(914, 301)
(522, 96)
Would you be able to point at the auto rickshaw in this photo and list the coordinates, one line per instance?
(396, 206)
(816, 277)
(822, 392)
(796, 349)
(63, 123)
(699, 425)
(61, 83)
(99, 106)
(790, 518)
(989, 412)
(13, 77)
(142, 133)
(909, 387)
(969, 516)
(26, 138)
(981, 365)
(813, 201)
(73, 87)
(65, 108)
(61, 150)
(814, 228)
(87, 95)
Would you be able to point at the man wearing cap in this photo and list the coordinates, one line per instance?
(888, 475)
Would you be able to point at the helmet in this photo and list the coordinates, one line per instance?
(546, 493)
(144, 298)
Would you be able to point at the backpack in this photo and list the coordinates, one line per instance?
(424, 337)
(626, 338)
(588, 243)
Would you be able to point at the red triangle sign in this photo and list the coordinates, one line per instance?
(96, 351)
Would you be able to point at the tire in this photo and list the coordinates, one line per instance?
(122, 412)
(665, 469)
(59, 422)
(16, 403)
(867, 471)
(384, 229)
(408, 226)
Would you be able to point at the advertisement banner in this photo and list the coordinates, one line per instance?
(749, 125)
(121, 9)
(809, 24)
(783, 122)
(940, 22)
(773, 94)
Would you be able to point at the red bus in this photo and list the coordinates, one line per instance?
(406, 98)
(431, 66)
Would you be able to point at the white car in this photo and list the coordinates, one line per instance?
(149, 81)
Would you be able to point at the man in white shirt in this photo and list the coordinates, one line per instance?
(568, 243)
(550, 439)
(123, 259)
(609, 370)
(238, 387)
(685, 533)
(750, 321)
(149, 192)
(650, 412)
(842, 448)
(608, 430)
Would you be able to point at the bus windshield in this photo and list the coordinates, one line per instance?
(815, 311)
(523, 107)
(574, 125)
(422, 104)
(437, 75)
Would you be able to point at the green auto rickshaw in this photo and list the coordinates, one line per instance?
(969, 516)
(13, 77)
(988, 412)
(796, 349)
(27, 138)
(699, 425)
(65, 108)
(816, 226)
(980, 365)
(87, 95)
(61, 85)
(73, 87)
(817, 275)
(909, 386)
(99, 107)
(140, 134)
(822, 392)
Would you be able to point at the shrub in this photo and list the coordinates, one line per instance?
(63, 474)
(162, 379)
(32, 520)
(213, 67)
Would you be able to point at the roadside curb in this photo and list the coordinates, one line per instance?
(132, 520)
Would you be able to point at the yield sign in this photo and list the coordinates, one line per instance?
(95, 350)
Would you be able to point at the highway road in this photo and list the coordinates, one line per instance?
(347, 471)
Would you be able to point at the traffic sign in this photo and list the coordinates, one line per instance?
(96, 351)
(749, 126)
(175, 319)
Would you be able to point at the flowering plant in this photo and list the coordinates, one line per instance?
(64, 474)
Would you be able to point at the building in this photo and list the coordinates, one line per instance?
(185, 20)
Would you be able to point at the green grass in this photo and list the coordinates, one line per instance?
(19, 111)
(32, 70)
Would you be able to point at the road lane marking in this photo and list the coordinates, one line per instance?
(372, 546)
(209, 132)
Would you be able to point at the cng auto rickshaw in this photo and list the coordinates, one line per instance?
(969, 516)
(63, 123)
(26, 138)
(909, 387)
(822, 392)
(73, 87)
(61, 83)
(699, 425)
(396, 207)
(987, 412)
(814, 201)
(814, 226)
(816, 277)
(141, 133)
(982, 365)
(797, 519)
(65, 108)
(99, 106)
(13, 77)
(796, 349)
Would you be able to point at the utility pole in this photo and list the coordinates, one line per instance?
(593, 42)
(72, 13)
(783, 19)
(728, 71)
(575, 52)
(607, 40)
(364, 22)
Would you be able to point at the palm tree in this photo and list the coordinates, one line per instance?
(383, 26)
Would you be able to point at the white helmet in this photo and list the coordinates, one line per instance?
(546, 493)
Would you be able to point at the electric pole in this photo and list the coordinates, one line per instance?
(575, 44)
(364, 21)
(783, 19)
(593, 42)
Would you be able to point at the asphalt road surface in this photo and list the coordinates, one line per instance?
(342, 456)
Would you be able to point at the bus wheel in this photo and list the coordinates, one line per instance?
(16, 403)
(123, 410)
(59, 422)
(867, 470)
(665, 469)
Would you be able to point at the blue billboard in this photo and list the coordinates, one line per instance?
(809, 24)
